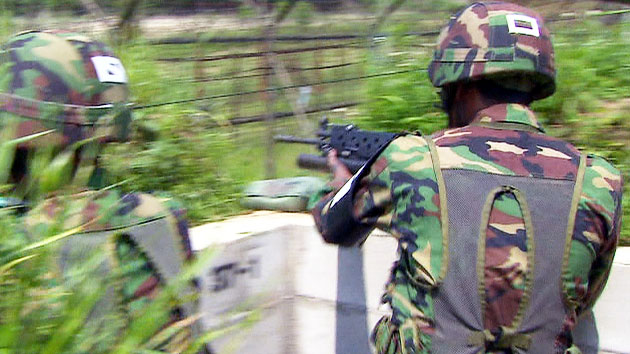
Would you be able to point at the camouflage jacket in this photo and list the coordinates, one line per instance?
(400, 194)
(137, 278)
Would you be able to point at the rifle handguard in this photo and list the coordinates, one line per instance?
(315, 162)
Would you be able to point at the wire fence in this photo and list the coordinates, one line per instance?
(349, 41)
(263, 79)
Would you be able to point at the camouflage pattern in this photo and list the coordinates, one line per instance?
(103, 210)
(138, 279)
(505, 263)
(285, 194)
(50, 82)
(597, 229)
(400, 195)
(497, 40)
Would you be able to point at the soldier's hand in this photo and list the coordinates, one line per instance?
(340, 172)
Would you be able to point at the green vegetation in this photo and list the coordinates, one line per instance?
(207, 166)
(205, 161)
(191, 151)
(42, 314)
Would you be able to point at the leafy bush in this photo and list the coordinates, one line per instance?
(43, 312)
(187, 167)
(403, 102)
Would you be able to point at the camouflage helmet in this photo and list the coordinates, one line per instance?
(64, 83)
(498, 41)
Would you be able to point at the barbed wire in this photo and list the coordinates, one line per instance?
(289, 69)
(272, 89)
(278, 115)
(261, 53)
(341, 37)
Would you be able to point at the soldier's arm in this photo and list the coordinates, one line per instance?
(356, 205)
(601, 208)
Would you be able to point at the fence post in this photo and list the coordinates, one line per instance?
(198, 69)
(269, 98)
(237, 86)
(319, 89)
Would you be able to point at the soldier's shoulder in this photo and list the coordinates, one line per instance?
(603, 168)
(98, 211)
(601, 164)
(601, 174)
(408, 153)
(412, 143)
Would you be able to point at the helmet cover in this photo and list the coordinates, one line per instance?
(64, 83)
(498, 41)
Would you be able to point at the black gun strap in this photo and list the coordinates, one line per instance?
(346, 230)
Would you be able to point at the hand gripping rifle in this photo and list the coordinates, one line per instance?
(354, 146)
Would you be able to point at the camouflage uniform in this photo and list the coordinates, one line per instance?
(404, 192)
(75, 89)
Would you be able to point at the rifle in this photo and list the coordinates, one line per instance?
(354, 146)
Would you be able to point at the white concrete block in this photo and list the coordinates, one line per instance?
(252, 270)
(314, 320)
(239, 227)
(315, 268)
(612, 310)
(318, 298)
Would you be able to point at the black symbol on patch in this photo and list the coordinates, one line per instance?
(113, 69)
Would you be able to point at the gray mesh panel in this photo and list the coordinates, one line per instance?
(457, 303)
(156, 238)
(585, 334)
(81, 249)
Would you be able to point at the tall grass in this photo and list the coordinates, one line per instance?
(44, 311)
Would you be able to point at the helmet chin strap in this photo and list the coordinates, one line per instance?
(86, 166)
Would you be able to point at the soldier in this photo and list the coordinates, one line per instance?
(506, 235)
(62, 96)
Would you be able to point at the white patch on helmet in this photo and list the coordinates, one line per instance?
(521, 24)
(109, 69)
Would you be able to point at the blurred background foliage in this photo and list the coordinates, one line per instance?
(44, 312)
(193, 150)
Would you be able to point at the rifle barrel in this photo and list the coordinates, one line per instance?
(314, 162)
(297, 140)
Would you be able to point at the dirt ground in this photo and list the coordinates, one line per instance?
(160, 26)
(173, 25)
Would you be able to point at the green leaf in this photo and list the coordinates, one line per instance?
(13, 263)
(58, 173)
(52, 239)
(393, 99)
